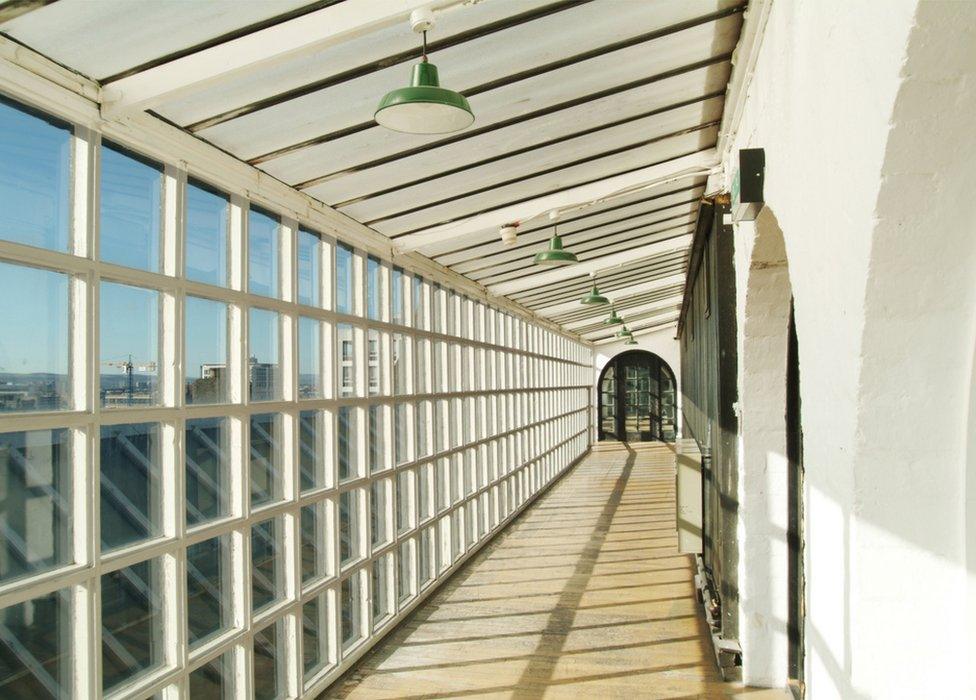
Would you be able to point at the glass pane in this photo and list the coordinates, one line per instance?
(348, 440)
(374, 288)
(266, 569)
(344, 280)
(35, 658)
(379, 517)
(425, 491)
(404, 571)
(132, 622)
(264, 372)
(35, 178)
(404, 497)
(350, 548)
(418, 302)
(401, 431)
(214, 680)
(421, 417)
(207, 469)
(130, 209)
(377, 451)
(35, 502)
(208, 571)
(316, 538)
(309, 358)
(316, 646)
(262, 253)
(399, 364)
(206, 235)
(345, 340)
(309, 268)
(266, 455)
(130, 490)
(351, 622)
(206, 351)
(311, 446)
(396, 297)
(34, 369)
(129, 345)
(374, 371)
(382, 601)
(269, 662)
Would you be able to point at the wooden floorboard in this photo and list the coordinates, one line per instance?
(584, 596)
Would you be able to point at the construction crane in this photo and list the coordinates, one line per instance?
(128, 366)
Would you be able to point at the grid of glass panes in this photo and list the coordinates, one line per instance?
(232, 448)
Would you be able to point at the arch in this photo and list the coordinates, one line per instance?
(770, 466)
(637, 398)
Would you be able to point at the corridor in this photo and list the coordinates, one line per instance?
(584, 596)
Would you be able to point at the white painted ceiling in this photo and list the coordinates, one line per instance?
(569, 97)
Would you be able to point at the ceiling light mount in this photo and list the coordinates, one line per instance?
(613, 319)
(555, 255)
(594, 296)
(424, 107)
(508, 232)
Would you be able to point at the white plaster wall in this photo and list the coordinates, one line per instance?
(662, 343)
(865, 112)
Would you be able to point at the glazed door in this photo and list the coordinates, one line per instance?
(637, 399)
(640, 402)
(608, 405)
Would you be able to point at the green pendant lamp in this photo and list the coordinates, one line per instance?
(630, 341)
(424, 107)
(554, 254)
(613, 319)
(624, 332)
(594, 297)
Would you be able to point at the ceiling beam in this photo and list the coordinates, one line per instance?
(305, 34)
(662, 305)
(668, 323)
(650, 286)
(692, 165)
(15, 8)
(627, 257)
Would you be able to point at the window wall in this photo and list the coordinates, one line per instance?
(233, 449)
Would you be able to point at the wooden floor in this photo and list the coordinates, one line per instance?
(584, 596)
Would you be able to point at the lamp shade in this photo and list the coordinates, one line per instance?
(594, 297)
(630, 341)
(424, 107)
(613, 319)
(624, 333)
(554, 254)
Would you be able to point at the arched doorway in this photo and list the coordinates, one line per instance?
(636, 399)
